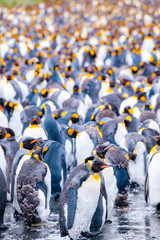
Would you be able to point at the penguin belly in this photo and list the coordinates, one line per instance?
(137, 167)
(43, 207)
(16, 125)
(84, 146)
(111, 188)
(87, 200)
(3, 120)
(3, 198)
(120, 133)
(3, 163)
(154, 179)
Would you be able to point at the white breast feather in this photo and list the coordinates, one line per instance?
(87, 199)
(154, 179)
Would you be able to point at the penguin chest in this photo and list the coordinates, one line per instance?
(5, 88)
(120, 133)
(137, 167)
(84, 146)
(43, 207)
(87, 200)
(154, 179)
(3, 163)
(35, 132)
(3, 120)
(111, 188)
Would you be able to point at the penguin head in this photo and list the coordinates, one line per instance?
(128, 121)
(34, 120)
(157, 139)
(147, 107)
(101, 149)
(75, 117)
(142, 96)
(28, 143)
(9, 105)
(131, 148)
(74, 130)
(128, 110)
(9, 133)
(76, 89)
(95, 164)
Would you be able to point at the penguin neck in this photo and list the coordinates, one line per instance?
(94, 175)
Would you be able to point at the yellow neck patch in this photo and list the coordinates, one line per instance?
(96, 177)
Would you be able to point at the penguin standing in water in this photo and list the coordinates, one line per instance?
(27, 144)
(152, 187)
(34, 189)
(135, 144)
(3, 199)
(79, 215)
(117, 157)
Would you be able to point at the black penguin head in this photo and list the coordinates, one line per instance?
(134, 69)
(9, 133)
(76, 89)
(28, 142)
(128, 110)
(95, 164)
(75, 118)
(142, 96)
(44, 92)
(73, 130)
(101, 149)
(9, 105)
(147, 107)
(128, 121)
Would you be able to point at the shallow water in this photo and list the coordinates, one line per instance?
(137, 221)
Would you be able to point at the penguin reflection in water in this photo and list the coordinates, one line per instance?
(34, 189)
(83, 200)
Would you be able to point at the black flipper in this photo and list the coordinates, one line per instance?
(72, 204)
(146, 188)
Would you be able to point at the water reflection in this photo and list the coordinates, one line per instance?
(138, 221)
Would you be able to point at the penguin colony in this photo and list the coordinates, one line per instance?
(79, 110)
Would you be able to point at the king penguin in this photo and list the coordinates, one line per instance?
(34, 189)
(27, 144)
(3, 200)
(135, 144)
(152, 187)
(117, 157)
(82, 203)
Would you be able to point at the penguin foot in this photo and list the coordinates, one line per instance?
(108, 221)
(90, 234)
(3, 227)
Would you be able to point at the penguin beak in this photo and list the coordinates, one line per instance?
(107, 148)
(1, 108)
(105, 166)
